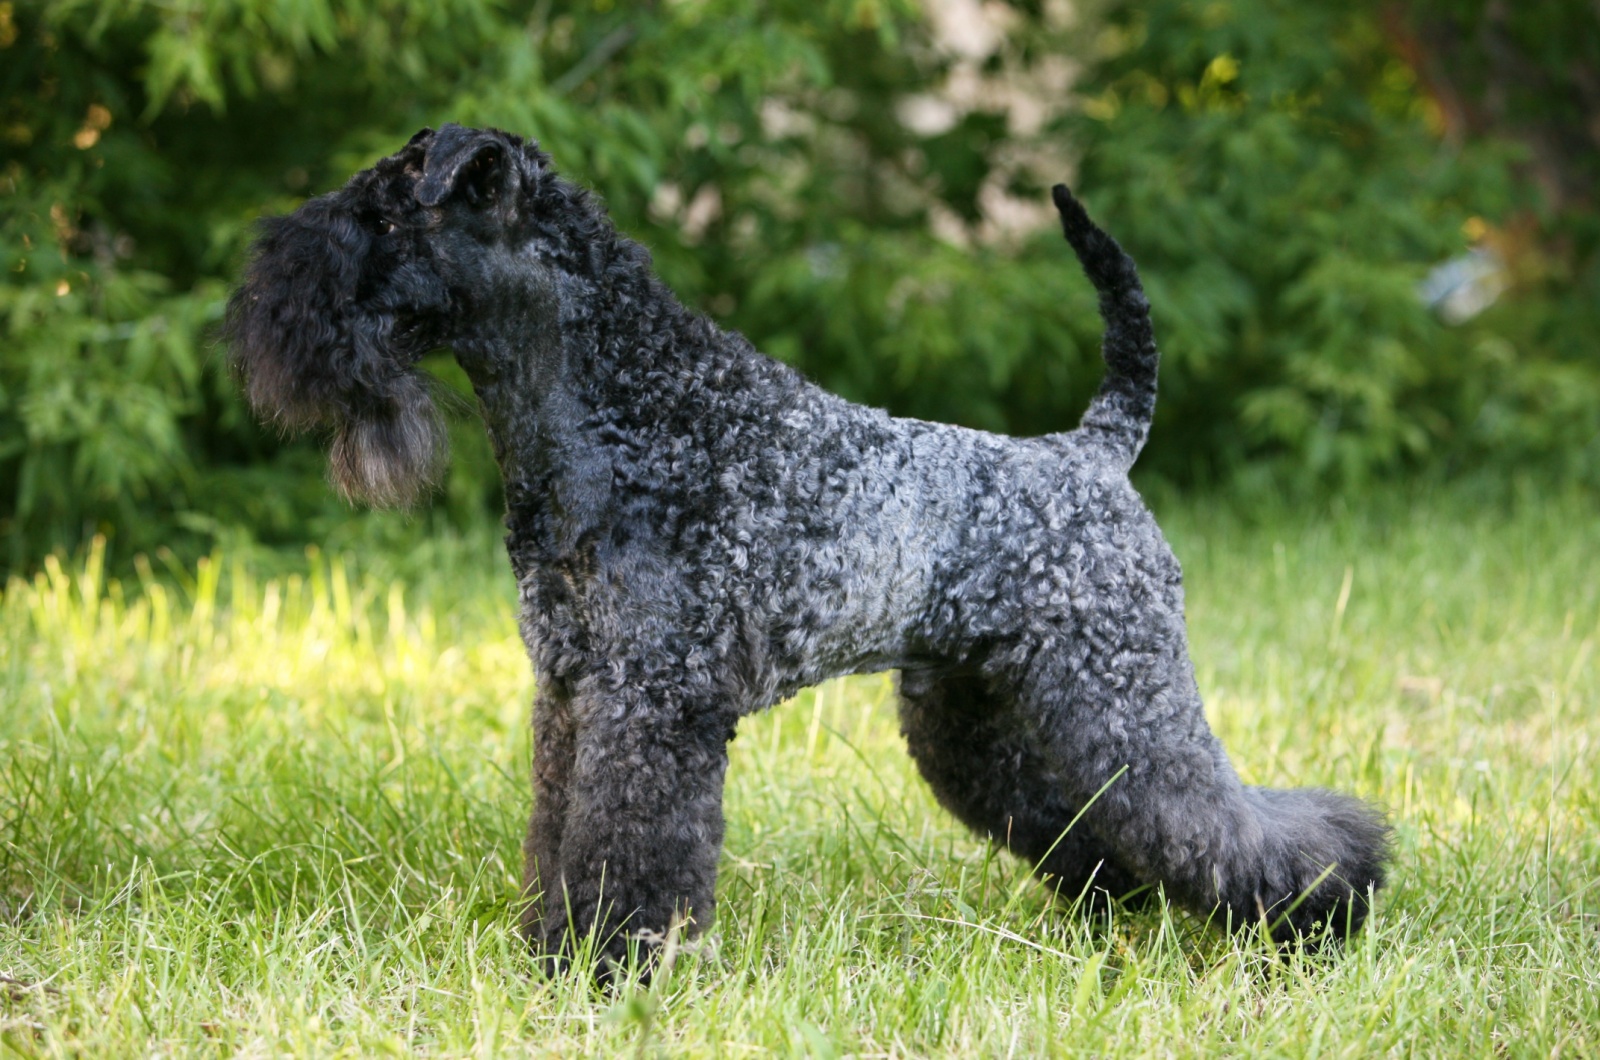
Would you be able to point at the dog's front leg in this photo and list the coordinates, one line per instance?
(641, 825)
(553, 752)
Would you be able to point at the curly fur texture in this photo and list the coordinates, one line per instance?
(697, 532)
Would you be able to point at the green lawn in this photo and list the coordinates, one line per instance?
(267, 817)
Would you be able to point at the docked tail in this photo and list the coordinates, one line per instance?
(1121, 410)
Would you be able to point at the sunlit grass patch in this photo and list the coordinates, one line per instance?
(262, 815)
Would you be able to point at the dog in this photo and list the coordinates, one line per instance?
(697, 532)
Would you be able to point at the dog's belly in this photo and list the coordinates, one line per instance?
(855, 599)
(865, 636)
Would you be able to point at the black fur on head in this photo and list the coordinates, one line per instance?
(342, 298)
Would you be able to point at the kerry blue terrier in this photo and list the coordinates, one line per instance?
(697, 532)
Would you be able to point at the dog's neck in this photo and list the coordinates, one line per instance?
(555, 347)
(580, 345)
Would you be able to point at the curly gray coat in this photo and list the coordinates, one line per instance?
(697, 532)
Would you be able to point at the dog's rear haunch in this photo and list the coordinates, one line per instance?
(697, 532)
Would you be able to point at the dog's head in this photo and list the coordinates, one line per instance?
(343, 297)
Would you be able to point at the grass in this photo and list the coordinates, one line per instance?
(253, 816)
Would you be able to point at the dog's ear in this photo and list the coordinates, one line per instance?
(470, 163)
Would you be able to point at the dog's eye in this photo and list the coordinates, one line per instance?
(383, 226)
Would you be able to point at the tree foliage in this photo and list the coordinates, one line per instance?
(859, 185)
(1280, 174)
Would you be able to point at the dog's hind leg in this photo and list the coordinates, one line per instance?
(987, 769)
(1127, 717)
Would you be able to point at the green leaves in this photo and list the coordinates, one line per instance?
(858, 186)
(1271, 168)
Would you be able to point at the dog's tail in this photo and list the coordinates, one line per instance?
(1120, 412)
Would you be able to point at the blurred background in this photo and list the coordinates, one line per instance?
(1368, 228)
